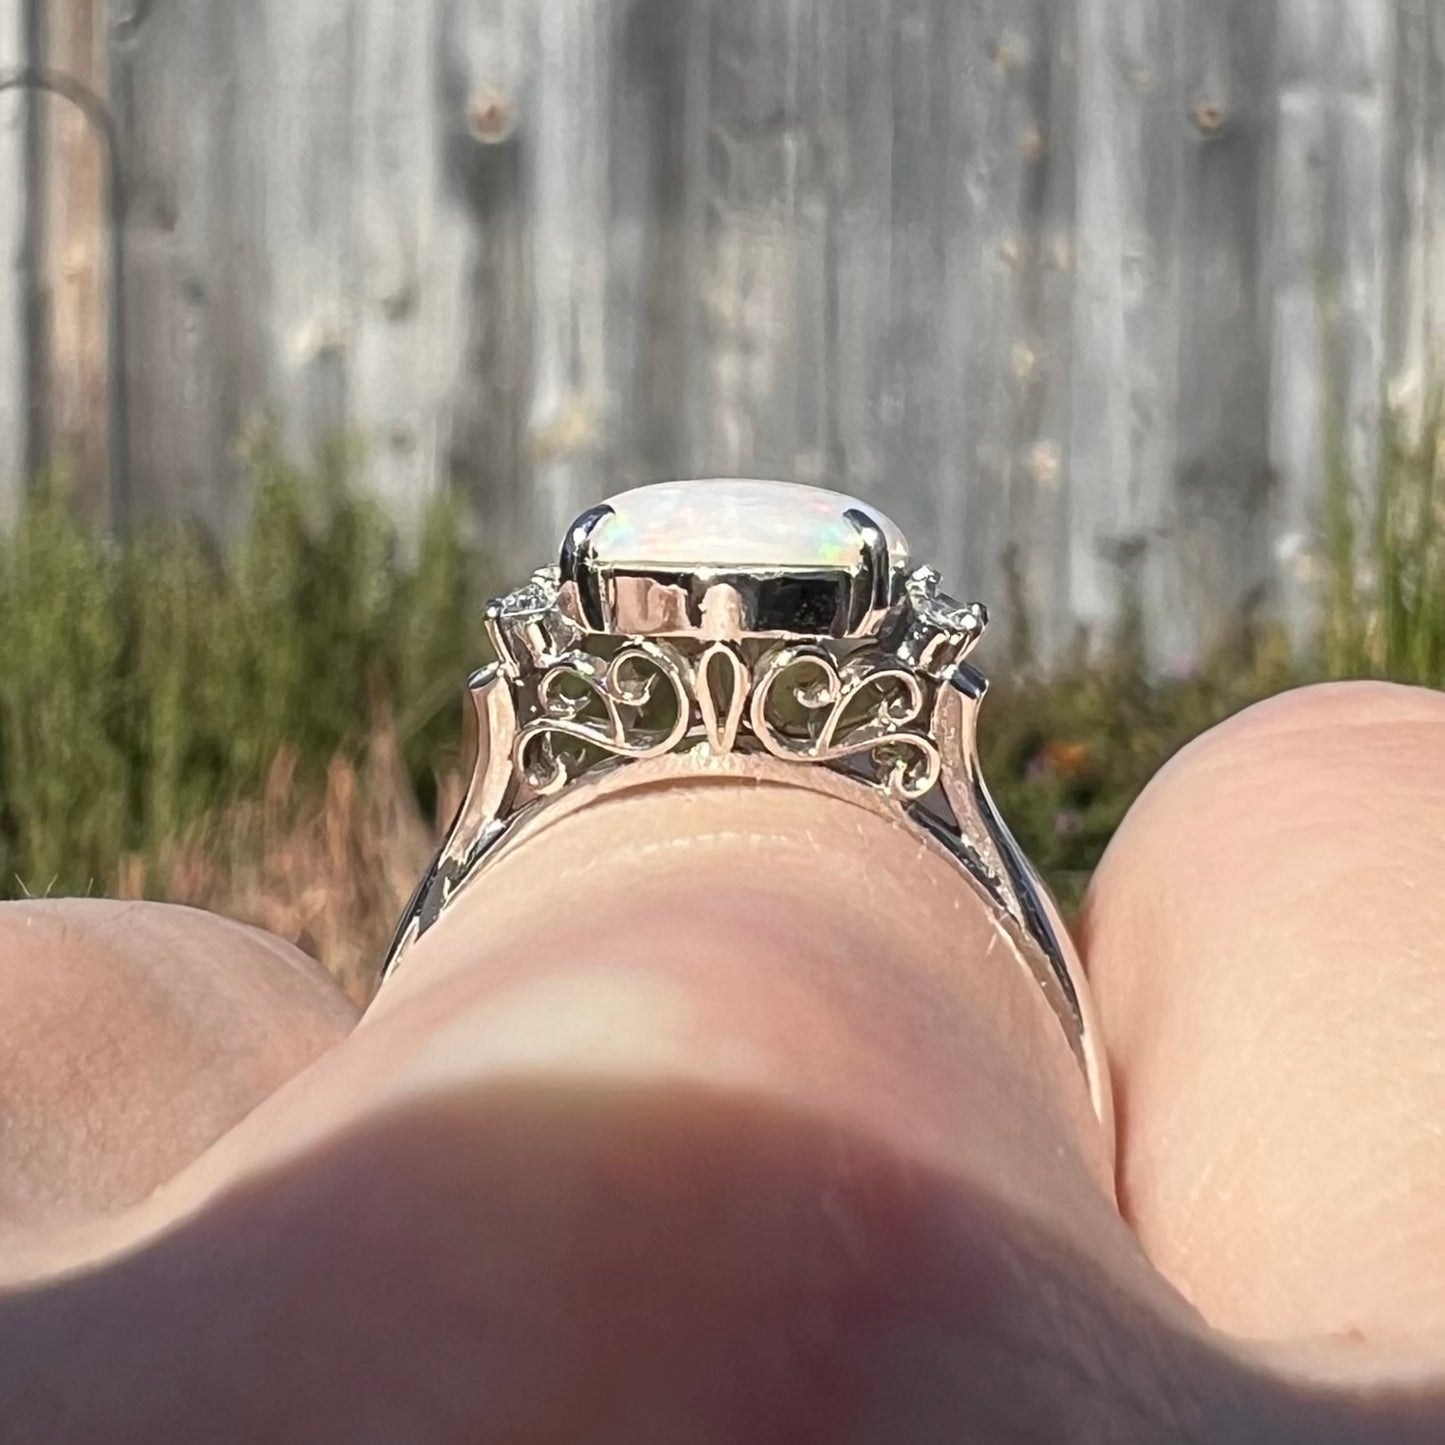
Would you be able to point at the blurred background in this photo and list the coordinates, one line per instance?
(318, 317)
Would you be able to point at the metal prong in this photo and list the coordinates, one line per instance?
(875, 583)
(484, 677)
(497, 636)
(969, 681)
(576, 565)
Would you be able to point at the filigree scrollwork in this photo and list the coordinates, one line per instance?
(721, 711)
(635, 705)
(805, 708)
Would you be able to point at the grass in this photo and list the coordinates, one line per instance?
(278, 736)
(149, 694)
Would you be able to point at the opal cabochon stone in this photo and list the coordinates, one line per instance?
(736, 526)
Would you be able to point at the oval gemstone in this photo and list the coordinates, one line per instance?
(736, 525)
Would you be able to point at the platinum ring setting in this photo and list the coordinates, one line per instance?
(734, 617)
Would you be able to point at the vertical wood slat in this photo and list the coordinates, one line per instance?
(1037, 535)
(997, 59)
(1298, 395)
(1416, 306)
(74, 272)
(1219, 549)
(910, 389)
(310, 145)
(197, 277)
(749, 252)
(481, 90)
(569, 405)
(860, 119)
(1362, 143)
(1094, 280)
(13, 428)
(1123, 436)
(397, 223)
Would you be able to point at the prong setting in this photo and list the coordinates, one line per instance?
(528, 627)
(577, 568)
(936, 632)
(872, 594)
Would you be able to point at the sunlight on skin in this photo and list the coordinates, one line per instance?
(1274, 992)
(723, 1115)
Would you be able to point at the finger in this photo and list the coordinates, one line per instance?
(132, 1036)
(759, 937)
(1266, 940)
(717, 1114)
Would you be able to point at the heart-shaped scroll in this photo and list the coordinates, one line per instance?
(601, 705)
(721, 727)
(840, 724)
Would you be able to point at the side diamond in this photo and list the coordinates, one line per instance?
(936, 630)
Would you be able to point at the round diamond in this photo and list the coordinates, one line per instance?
(938, 610)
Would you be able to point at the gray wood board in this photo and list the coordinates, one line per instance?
(1080, 291)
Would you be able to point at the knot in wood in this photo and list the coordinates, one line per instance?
(491, 116)
(1208, 117)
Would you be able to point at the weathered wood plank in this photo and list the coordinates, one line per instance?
(568, 214)
(1363, 146)
(911, 399)
(1123, 441)
(197, 277)
(860, 121)
(13, 428)
(749, 253)
(481, 87)
(1416, 315)
(657, 122)
(306, 125)
(1219, 560)
(74, 272)
(1305, 416)
(399, 342)
(996, 63)
(1038, 607)
(1092, 281)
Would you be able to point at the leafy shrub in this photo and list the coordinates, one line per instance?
(268, 735)
(144, 686)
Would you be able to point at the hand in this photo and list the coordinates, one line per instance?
(715, 1117)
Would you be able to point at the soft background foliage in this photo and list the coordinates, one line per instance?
(280, 735)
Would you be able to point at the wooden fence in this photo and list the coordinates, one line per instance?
(1095, 285)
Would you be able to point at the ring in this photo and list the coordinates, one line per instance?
(725, 620)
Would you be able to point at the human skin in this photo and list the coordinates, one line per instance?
(718, 1115)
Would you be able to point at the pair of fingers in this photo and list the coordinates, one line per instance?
(721, 1114)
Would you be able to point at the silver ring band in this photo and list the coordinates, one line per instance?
(721, 620)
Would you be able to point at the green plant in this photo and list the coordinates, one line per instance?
(168, 714)
(1385, 599)
(1067, 754)
(146, 686)
(63, 761)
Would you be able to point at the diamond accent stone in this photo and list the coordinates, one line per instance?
(535, 598)
(936, 631)
(941, 612)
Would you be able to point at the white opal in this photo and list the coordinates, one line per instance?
(735, 525)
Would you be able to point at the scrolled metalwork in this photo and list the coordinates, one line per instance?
(836, 720)
(612, 706)
(721, 724)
